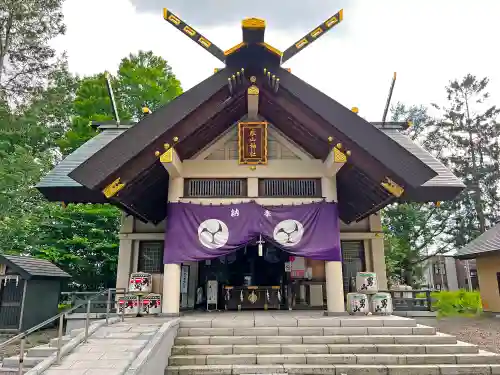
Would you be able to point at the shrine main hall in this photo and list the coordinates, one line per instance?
(252, 189)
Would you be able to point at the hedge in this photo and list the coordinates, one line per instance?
(461, 302)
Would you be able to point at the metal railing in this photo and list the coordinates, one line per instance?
(60, 317)
(420, 300)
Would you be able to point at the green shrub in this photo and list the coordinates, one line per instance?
(63, 306)
(454, 303)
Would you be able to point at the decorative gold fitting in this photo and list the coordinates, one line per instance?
(157, 153)
(355, 109)
(145, 110)
(338, 145)
(253, 79)
(265, 71)
(253, 168)
(175, 139)
(438, 204)
(348, 153)
(410, 124)
(330, 139)
(166, 146)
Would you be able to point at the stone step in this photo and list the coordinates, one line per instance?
(458, 348)
(11, 371)
(334, 359)
(217, 347)
(306, 323)
(306, 331)
(42, 351)
(301, 369)
(64, 340)
(28, 362)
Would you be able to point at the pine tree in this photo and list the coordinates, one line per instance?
(468, 137)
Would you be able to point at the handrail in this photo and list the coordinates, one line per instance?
(54, 318)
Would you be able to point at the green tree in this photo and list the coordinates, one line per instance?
(26, 27)
(144, 78)
(413, 231)
(83, 240)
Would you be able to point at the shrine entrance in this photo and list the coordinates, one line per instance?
(246, 279)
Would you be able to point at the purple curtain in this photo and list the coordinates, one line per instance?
(197, 232)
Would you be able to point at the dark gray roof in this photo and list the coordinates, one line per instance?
(485, 243)
(58, 186)
(58, 177)
(444, 176)
(30, 267)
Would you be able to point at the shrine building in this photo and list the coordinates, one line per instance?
(252, 186)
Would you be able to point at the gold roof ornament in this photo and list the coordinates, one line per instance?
(392, 187)
(253, 90)
(253, 23)
(355, 109)
(339, 156)
(113, 188)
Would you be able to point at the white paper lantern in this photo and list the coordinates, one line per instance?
(381, 304)
(130, 304)
(366, 282)
(357, 303)
(151, 304)
(140, 283)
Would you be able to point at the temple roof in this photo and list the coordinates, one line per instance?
(383, 165)
(486, 243)
(304, 114)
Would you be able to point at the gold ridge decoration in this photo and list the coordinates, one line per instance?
(392, 187)
(253, 23)
(113, 188)
(253, 90)
(271, 48)
(339, 156)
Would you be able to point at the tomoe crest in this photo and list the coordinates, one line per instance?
(213, 233)
(288, 232)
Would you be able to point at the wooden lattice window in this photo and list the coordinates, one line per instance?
(215, 188)
(150, 256)
(290, 187)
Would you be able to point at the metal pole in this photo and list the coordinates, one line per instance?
(21, 356)
(123, 312)
(59, 339)
(87, 320)
(108, 306)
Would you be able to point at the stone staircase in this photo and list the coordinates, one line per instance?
(35, 355)
(248, 344)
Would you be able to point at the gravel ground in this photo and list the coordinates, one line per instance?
(484, 331)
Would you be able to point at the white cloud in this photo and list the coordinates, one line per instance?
(427, 42)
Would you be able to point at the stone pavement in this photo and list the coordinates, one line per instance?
(110, 350)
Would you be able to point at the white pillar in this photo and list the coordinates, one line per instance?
(172, 272)
(334, 288)
(171, 289)
(125, 255)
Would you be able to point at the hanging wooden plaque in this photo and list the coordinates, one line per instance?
(252, 143)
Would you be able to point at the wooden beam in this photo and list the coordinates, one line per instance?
(253, 102)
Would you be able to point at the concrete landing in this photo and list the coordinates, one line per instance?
(110, 350)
